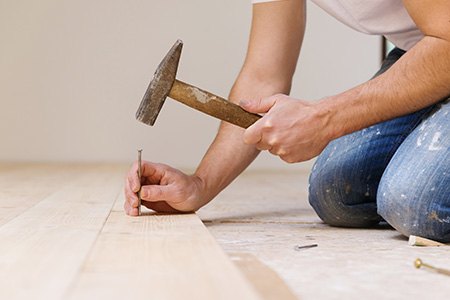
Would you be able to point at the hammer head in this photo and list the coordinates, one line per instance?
(160, 86)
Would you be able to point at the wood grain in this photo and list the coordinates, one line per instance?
(267, 283)
(41, 249)
(158, 257)
(22, 186)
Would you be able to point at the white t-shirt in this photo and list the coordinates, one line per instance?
(382, 17)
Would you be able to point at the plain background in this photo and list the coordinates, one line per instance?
(73, 73)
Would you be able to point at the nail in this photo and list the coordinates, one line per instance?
(298, 247)
(418, 263)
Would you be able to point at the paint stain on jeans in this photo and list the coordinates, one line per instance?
(434, 216)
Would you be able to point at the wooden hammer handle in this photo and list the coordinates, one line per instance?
(212, 105)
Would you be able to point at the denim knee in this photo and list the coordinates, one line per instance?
(414, 209)
(414, 192)
(330, 194)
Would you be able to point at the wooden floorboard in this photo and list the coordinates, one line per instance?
(158, 257)
(267, 215)
(23, 186)
(64, 235)
(267, 283)
(43, 247)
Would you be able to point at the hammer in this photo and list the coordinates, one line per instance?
(164, 83)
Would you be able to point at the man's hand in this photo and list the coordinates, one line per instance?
(294, 130)
(164, 189)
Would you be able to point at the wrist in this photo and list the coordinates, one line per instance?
(329, 111)
(200, 186)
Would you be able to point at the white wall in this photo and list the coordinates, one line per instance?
(72, 74)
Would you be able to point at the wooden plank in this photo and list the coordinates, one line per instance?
(41, 250)
(24, 185)
(158, 257)
(420, 241)
(266, 282)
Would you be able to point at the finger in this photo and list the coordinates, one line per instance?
(132, 198)
(155, 193)
(133, 179)
(263, 146)
(134, 212)
(262, 105)
(151, 173)
(130, 210)
(289, 159)
(127, 186)
(153, 170)
(278, 152)
(159, 206)
(253, 134)
(130, 195)
(125, 206)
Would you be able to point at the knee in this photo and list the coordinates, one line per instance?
(414, 209)
(330, 195)
(323, 198)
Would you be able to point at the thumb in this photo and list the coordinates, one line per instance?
(155, 193)
(262, 105)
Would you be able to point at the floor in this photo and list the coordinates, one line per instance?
(63, 235)
(267, 215)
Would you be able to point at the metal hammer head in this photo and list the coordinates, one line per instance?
(160, 86)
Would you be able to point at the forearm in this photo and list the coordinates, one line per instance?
(228, 155)
(274, 45)
(419, 79)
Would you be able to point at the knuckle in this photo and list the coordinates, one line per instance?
(288, 159)
(158, 192)
(282, 152)
(280, 96)
(274, 142)
(259, 102)
(268, 124)
(247, 137)
(245, 140)
(163, 166)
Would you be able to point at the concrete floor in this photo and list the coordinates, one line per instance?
(267, 215)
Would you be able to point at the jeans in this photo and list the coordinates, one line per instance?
(397, 171)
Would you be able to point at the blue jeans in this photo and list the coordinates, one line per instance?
(397, 171)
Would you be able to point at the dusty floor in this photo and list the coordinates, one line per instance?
(267, 215)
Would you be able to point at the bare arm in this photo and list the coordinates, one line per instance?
(299, 130)
(274, 45)
(420, 78)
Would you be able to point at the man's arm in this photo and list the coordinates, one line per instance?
(275, 40)
(274, 45)
(300, 130)
(420, 78)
